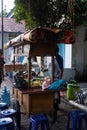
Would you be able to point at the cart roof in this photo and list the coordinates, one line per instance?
(42, 35)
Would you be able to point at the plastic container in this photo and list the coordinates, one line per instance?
(5, 95)
(71, 89)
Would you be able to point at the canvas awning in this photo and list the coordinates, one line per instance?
(43, 35)
(47, 35)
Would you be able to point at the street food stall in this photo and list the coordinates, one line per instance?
(41, 42)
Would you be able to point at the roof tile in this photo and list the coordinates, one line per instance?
(10, 25)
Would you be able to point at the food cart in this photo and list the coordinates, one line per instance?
(42, 42)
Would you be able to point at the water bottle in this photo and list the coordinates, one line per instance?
(5, 95)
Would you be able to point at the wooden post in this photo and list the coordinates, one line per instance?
(29, 71)
(14, 60)
(52, 60)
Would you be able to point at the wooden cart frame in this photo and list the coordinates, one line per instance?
(42, 42)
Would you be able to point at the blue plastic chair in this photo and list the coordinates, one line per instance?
(36, 120)
(12, 114)
(3, 106)
(76, 117)
(8, 113)
(6, 124)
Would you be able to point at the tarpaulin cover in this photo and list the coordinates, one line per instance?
(43, 35)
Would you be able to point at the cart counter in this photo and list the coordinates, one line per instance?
(34, 101)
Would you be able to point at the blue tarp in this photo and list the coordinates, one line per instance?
(56, 85)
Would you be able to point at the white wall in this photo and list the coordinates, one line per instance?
(6, 52)
(5, 39)
(78, 50)
(68, 56)
(69, 73)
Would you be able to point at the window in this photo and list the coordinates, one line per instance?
(12, 35)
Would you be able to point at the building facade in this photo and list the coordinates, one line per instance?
(11, 29)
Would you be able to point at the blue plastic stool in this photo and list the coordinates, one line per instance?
(36, 120)
(76, 117)
(8, 113)
(3, 106)
(6, 124)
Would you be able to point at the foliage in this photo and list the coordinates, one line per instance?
(48, 12)
(80, 12)
(4, 12)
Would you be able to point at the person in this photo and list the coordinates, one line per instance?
(1, 66)
(58, 65)
(58, 73)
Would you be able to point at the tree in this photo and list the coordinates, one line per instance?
(4, 12)
(48, 12)
(80, 12)
(38, 12)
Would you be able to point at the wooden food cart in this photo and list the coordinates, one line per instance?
(42, 42)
